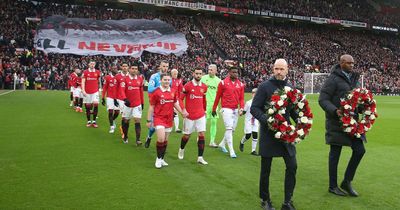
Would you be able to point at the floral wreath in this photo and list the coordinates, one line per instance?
(280, 101)
(363, 100)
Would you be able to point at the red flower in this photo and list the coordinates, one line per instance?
(346, 120)
(282, 128)
(275, 98)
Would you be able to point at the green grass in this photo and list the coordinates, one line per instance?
(50, 160)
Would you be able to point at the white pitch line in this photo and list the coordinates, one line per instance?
(1, 94)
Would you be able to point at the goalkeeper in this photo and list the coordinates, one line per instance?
(212, 81)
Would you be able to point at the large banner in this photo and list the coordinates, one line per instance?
(128, 37)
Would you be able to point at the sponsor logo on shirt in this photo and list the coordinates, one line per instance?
(192, 96)
(164, 101)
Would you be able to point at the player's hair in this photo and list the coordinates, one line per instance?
(135, 63)
(232, 68)
(198, 68)
(212, 65)
(164, 75)
(254, 90)
(163, 61)
(174, 70)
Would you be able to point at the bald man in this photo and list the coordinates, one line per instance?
(341, 80)
(269, 146)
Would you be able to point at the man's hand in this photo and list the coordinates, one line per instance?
(184, 113)
(214, 113)
(241, 112)
(103, 102)
(116, 103)
(127, 103)
(339, 112)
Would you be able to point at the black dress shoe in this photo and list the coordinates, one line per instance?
(337, 191)
(288, 206)
(267, 205)
(346, 186)
(254, 153)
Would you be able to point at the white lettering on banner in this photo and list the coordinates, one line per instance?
(180, 4)
(382, 28)
(110, 37)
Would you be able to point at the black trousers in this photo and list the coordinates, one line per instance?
(358, 152)
(290, 176)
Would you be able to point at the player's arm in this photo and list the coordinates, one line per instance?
(241, 100)
(218, 96)
(83, 83)
(152, 84)
(141, 94)
(150, 111)
(105, 88)
(182, 98)
(241, 97)
(205, 99)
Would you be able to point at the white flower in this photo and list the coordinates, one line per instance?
(352, 121)
(285, 123)
(297, 140)
(270, 111)
(348, 130)
(347, 106)
(300, 132)
(270, 119)
(366, 128)
(310, 121)
(282, 111)
(372, 117)
(304, 119)
(287, 89)
(292, 127)
(349, 96)
(280, 103)
(283, 97)
(363, 121)
(301, 114)
(358, 135)
(300, 105)
(368, 112)
(278, 135)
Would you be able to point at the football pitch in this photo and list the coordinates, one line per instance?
(50, 160)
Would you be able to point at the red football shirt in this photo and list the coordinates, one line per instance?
(110, 87)
(91, 81)
(132, 89)
(71, 79)
(231, 94)
(77, 82)
(163, 102)
(120, 77)
(177, 86)
(195, 102)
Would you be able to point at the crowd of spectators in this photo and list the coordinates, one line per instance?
(253, 46)
(355, 10)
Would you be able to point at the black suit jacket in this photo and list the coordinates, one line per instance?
(269, 146)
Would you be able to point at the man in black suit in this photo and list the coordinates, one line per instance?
(341, 80)
(269, 146)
